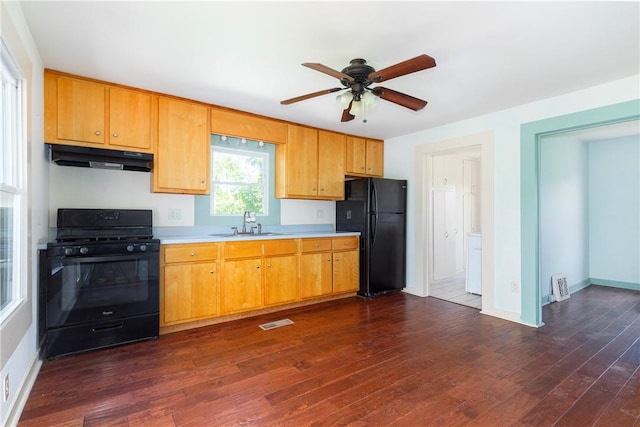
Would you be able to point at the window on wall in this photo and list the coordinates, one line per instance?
(12, 142)
(239, 181)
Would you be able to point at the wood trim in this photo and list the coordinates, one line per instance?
(246, 314)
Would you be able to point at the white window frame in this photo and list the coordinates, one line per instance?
(12, 169)
(266, 176)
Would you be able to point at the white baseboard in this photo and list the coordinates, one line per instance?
(23, 394)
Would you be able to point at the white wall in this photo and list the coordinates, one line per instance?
(18, 334)
(564, 206)
(505, 170)
(614, 210)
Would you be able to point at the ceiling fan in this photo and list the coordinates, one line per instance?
(357, 79)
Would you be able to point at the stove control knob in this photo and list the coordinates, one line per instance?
(143, 248)
(84, 250)
(68, 251)
(129, 248)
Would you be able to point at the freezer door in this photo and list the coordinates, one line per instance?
(385, 263)
(388, 195)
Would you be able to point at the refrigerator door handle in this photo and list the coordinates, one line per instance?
(373, 225)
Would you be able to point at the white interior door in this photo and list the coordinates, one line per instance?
(444, 236)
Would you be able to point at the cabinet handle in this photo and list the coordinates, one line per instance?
(257, 267)
(115, 135)
(97, 132)
(445, 181)
(346, 243)
(317, 246)
(328, 259)
(361, 167)
(268, 265)
(446, 235)
(202, 181)
(337, 259)
(193, 254)
(211, 272)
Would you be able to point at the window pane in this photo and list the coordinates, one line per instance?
(7, 231)
(230, 167)
(231, 199)
(239, 181)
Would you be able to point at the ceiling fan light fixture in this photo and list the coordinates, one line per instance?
(370, 100)
(356, 108)
(344, 99)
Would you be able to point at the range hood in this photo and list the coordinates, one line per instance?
(85, 157)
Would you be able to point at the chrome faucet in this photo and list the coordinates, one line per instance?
(244, 222)
(247, 217)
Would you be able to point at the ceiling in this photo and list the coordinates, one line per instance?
(247, 55)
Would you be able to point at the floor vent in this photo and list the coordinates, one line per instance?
(276, 324)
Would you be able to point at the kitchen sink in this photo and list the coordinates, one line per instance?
(249, 235)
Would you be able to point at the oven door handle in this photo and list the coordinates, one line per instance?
(109, 258)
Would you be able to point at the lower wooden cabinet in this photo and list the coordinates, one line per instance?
(280, 279)
(316, 268)
(206, 280)
(346, 274)
(189, 283)
(242, 285)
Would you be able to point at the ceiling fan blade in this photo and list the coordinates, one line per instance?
(329, 71)
(399, 98)
(346, 114)
(409, 66)
(310, 95)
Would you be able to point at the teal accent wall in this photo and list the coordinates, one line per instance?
(202, 203)
(614, 209)
(530, 135)
(564, 208)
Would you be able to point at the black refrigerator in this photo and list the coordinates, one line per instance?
(376, 207)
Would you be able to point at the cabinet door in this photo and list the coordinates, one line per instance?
(331, 148)
(355, 155)
(80, 111)
(280, 279)
(242, 285)
(302, 162)
(375, 157)
(190, 292)
(130, 119)
(182, 155)
(345, 271)
(315, 274)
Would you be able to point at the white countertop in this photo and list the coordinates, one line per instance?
(213, 238)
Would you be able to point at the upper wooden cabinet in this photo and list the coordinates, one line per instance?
(182, 154)
(310, 165)
(243, 125)
(94, 114)
(364, 157)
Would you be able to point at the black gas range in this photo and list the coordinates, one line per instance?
(100, 281)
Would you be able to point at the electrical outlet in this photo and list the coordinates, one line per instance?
(6, 388)
(175, 214)
(319, 213)
(515, 287)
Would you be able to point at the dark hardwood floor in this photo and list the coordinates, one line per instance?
(399, 360)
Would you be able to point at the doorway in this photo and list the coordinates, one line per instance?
(456, 198)
(588, 192)
(531, 134)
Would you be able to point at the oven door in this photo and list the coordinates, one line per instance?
(86, 289)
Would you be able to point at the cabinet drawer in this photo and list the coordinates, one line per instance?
(316, 245)
(345, 243)
(185, 253)
(242, 250)
(280, 247)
